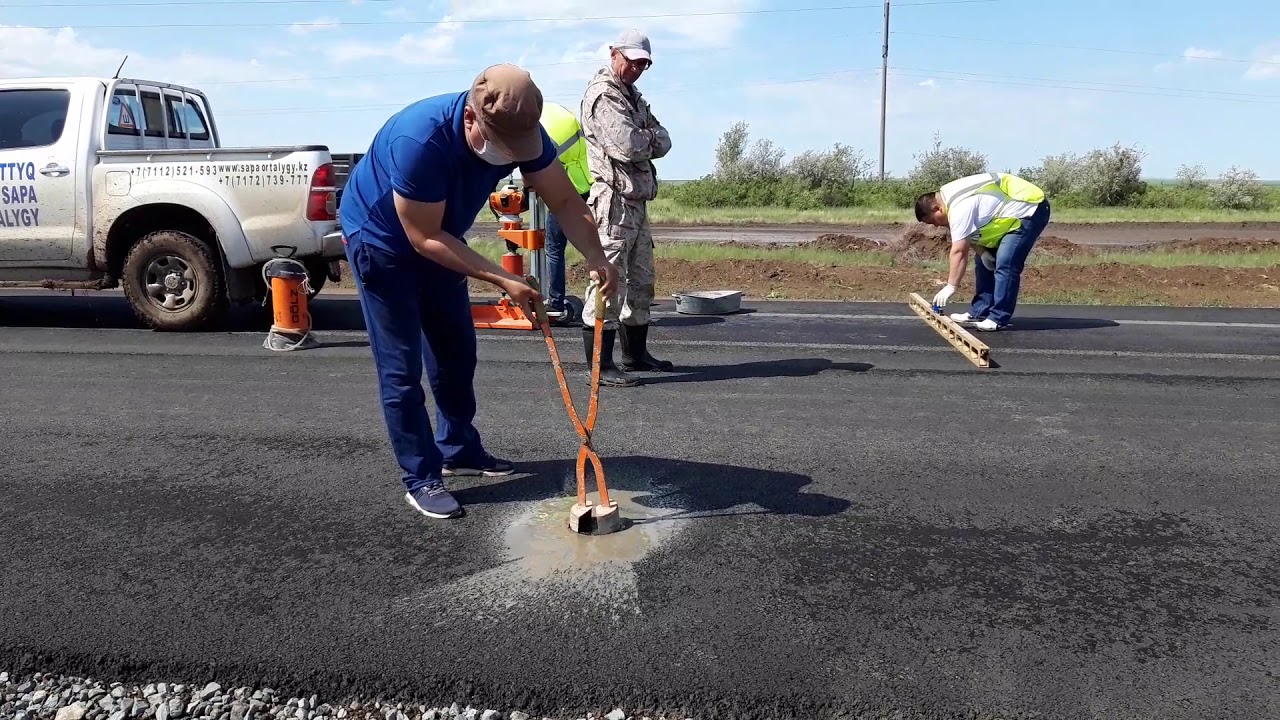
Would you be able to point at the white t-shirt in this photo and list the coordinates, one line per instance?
(968, 215)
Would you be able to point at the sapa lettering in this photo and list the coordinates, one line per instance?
(18, 194)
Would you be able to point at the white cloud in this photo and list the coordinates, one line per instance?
(306, 28)
(1193, 54)
(28, 52)
(433, 47)
(1190, 56)
(1266, 63)
(683, 28)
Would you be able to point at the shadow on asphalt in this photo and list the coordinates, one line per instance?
(1055, 323)
(111, 312)
(691, 490)
(791, 367)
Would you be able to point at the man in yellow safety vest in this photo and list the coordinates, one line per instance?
(565, 131)
(1002, 216)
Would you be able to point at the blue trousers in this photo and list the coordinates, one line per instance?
(996, 293)
(418, 313)
(555, 247)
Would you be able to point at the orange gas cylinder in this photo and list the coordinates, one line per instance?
(291, 326)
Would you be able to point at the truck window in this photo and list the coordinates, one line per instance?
(154, 113)
(184, 116)
(32, 117)
(123, 117)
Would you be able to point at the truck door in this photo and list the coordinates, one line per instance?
(39, 172)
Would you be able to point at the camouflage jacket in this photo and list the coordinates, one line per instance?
(623, 137)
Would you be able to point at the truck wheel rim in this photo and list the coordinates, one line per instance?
(170, 282)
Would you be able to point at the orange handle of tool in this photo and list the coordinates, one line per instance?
(585, 450)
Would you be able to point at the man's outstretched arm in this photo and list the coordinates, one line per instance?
(420, 185)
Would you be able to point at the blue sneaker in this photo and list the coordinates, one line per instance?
(433, 500)
(489, 467)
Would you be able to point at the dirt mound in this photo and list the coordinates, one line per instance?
(1107, 283)
(920, 242)
(1060, 247)
(843, 243)
(1212, 245)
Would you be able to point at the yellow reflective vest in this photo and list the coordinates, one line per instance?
(571, 147)
(1017, 199)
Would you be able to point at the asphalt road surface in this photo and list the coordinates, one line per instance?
(832, 513)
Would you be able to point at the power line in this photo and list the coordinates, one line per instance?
(995, 81)
(922, 73)
(471, 71)
(499, 21)
(676, 88)
(1149, 53)
(1265, 96)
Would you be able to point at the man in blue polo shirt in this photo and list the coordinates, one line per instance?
(405, 209)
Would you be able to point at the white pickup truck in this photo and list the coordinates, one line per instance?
(109, 182)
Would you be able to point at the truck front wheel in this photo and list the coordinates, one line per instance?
(172, 282)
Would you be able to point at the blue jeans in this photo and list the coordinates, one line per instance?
(996, 293)
(555, 246)
(418, 312)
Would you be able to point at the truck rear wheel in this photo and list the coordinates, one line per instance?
(172, 282)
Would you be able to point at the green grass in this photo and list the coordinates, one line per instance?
(665, 211)
(1237, 261)
(668, 212)
(1266, 259)
(701, 252)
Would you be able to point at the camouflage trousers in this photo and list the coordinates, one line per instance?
(628, 243)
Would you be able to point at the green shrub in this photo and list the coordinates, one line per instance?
(757, 175)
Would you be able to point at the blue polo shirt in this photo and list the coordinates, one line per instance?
(422, 153)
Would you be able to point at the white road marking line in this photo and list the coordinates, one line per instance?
(897, 318)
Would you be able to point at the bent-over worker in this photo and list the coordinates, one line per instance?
(623, 139)
(1002, 216)
(405, 209)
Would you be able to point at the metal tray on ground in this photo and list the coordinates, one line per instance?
(708, 302)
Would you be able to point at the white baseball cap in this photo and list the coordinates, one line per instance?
(634, 45)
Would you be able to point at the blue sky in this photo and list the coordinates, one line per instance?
(1188, 82)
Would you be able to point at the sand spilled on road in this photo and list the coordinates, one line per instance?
(549, 568)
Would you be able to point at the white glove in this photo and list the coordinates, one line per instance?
(944, 295)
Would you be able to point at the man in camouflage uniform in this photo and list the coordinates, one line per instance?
(623, 137)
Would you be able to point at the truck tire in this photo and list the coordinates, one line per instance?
(173, 282)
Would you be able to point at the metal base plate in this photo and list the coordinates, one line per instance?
(592, 519)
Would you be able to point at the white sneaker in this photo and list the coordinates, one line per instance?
(961, 317)
(987, 325)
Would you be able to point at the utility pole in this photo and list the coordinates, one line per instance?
(884, 85)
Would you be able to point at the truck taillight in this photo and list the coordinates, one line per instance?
(322, 204)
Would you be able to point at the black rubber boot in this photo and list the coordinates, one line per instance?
(635, 350)
(609, 373)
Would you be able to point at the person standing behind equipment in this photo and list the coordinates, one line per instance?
(1002, 215)
(623, 138)
(405, 209)
(566, 133)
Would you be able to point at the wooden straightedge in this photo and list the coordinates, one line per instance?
(971, 347)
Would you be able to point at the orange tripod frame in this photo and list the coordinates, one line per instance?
(504, 314)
